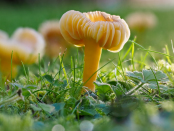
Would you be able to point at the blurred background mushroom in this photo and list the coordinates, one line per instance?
(29, 43)
(5, 65)
(23, 47)
(140, 22)
(55, 43)
(3, 35)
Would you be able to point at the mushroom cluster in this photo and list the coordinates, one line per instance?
(55, 43)
(23, 47)
(94, 30)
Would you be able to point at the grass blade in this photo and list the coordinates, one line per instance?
(167, 52)
(64, 71)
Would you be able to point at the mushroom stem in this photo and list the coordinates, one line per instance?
(5, 68)
(91, 63)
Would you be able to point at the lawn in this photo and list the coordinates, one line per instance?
(134, 88)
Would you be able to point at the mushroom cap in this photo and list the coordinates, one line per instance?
(55, 43)
(109, 31)
(25, 44)
(49, 26)
(3, 35)
(141, 20)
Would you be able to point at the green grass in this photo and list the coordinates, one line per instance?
(124, 97)
(132, 92)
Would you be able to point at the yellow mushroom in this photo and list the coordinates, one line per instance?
(7, 70)
(5, 66)
(94, 30)
(141, 21)
(55, 43)
(3, 35)
(29, 44)
(25, 44)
